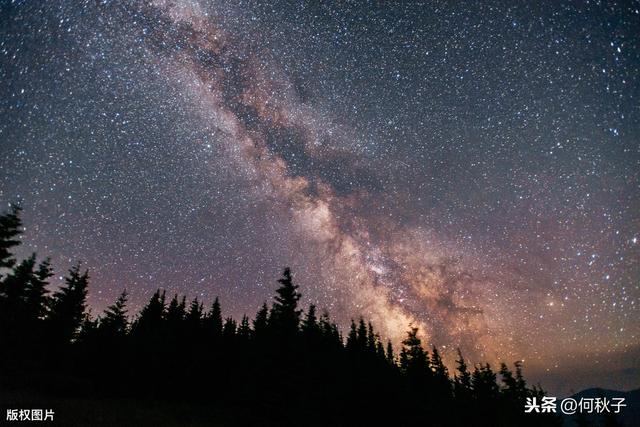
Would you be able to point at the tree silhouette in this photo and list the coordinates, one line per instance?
(483, 382)
(285, 313)
(36, 292)
(414, 361)
(213, 319)
(391, 358)
(115, 323)
(14, 288)
(68, 305)
(352, 338)
(362, 336)
(244, 330)
(17, 315)
(371, 338)
(176, 312)
(151, 318)
(261, 322)
(462, 384)
(521, 384)
(284, 369)
(193, 318)
(441, 382)
(10, 229)
(229, 330)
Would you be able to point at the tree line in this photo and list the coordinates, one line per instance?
(285, 366)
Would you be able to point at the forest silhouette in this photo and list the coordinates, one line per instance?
(284, 367)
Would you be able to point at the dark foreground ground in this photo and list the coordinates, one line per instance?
(75, 411)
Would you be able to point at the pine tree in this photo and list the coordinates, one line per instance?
(151, 317)
(193, 317)
(330, 332)
(371, 338)
(68, 305)
(285, 309)
(441, 382)
(260, 323)
(13, 289)
(16, 315)
(176, 312)
(352, 338)
(310, 326)
(462, 384)
(87, 333)
(244, 330)
(299, 378)
(437, 365)
(413, 359)
(115, 322)
(510, 384)
(391, 358)
(10, 229)
(214, 319)
(36, 292)
(229, 330)
(521, 384)
(484, 384)
(362, 335)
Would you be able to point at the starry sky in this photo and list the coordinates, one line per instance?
(470, 168)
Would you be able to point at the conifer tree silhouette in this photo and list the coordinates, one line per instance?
(260, 323)
(22, 302)
(68, 305)
(213, 319)
(362, 336)
(285, 312)
(244, 330)
(229, 331)
(151, 318)
(287, 368)
(115, 324)
(311, 328)
(462, 384)
(14, 287)
(437, 365)
(521, 384)
(371, 338)
(484, 384)
(380, 352)
(414, 361)
(510, 388)
(310, 323)
(352, 338)
(330, 334)
(391, 358)
(440, 381)
(176, 312)
(36, 292)
(10, 230)
(193, 318)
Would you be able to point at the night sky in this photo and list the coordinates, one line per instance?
(471, 168)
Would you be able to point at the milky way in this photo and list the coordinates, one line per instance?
(469, 169)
